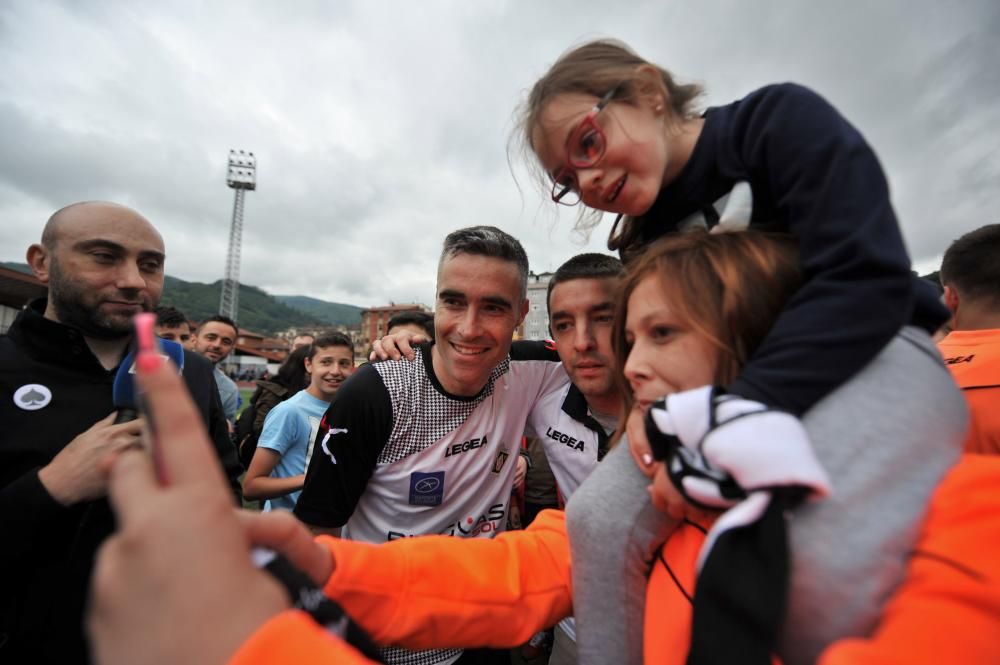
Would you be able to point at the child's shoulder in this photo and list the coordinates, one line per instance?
(788, 115)
(781, 97)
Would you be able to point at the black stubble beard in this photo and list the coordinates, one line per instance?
(67, 300)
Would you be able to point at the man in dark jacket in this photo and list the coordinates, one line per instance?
(103, 263)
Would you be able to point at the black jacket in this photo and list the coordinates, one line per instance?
(812, 175)
(48, 549)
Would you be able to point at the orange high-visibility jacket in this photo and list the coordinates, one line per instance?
(973, 356)
(437, 591)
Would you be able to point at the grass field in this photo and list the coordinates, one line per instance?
(245, 394)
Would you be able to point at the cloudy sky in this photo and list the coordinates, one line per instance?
(380, 126)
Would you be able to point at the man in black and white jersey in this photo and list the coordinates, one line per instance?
(430, 445)
(574, 423)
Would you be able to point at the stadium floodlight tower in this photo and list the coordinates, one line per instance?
(242, 176)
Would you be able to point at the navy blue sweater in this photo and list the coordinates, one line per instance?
(813, 175)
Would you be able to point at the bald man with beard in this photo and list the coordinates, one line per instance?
(103, 264)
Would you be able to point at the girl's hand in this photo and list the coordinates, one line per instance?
(665, 498)
(662, 493)
(638, 444)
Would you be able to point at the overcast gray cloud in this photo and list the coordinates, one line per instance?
(381, 126)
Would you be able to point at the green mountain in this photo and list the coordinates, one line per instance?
(259, 311)
(331, 313)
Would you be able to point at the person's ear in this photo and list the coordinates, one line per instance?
(951, 299)
(650, 90)
(524, 311)
(39, 260)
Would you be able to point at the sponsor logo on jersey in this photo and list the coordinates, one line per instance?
(502, 456)
(32, 397)
(959, 359)
(426, 489)
(396, 535)
(465, 446)
(468, 527)
(571, 442)
(488, 522)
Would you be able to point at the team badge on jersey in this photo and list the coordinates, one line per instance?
(426, 489)
(32, 397)
(502, 456)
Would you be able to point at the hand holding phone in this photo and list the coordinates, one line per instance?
(181, 552)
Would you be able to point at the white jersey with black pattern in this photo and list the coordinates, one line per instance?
(449, 465)
(574, 441)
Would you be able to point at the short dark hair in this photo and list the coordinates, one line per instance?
(971, 265)
(221, 318)
(422, 319)
(169, 317)
(488, 241)
(585, 266)
(326, 341)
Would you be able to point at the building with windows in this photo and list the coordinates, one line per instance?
(17, 289)
(375, 320)
(536, 323)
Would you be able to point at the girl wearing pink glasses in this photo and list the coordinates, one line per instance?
(851, 352)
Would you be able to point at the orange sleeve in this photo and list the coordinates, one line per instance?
(948, 608)
(440, 591)
(291, 638)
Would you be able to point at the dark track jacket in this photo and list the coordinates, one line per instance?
(52, 388)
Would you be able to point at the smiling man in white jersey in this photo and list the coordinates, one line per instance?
(429, 445)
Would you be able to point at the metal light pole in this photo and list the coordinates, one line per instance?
(242, 176)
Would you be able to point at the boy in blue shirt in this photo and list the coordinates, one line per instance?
(278, 468)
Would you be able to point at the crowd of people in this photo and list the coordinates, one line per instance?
(760, 454)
